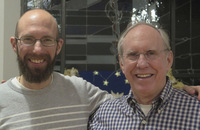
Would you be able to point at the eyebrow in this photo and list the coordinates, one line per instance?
(140, 52)
(29, 35)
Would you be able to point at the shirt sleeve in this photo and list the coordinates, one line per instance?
(92, 94)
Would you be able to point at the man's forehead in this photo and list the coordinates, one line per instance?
(143, 28)
(144, 38)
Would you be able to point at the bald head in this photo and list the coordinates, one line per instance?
(130, 27)
(37, 17)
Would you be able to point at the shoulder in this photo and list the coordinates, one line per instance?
(182, 93)
(110, 109)
(76, 83)
(61, 78)
(182, 96)
(6, 87)
(116, 103)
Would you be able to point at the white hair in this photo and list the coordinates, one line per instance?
(162, 33)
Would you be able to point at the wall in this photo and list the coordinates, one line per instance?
(9, 14)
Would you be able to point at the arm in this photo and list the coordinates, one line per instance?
(189, 89)
(3, 81)
(193, 90)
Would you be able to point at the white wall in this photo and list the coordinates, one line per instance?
(1, 38)
(9, 14)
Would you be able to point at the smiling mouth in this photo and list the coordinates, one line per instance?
(36, 61)
(144, 75)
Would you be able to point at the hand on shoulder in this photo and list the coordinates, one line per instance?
(3, 81)
(193, 90)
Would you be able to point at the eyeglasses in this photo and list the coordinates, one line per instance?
(30, 41)
(149, 55)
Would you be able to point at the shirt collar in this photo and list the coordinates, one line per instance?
(162, 99)
(167, 92)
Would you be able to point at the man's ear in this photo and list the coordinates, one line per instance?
(59, 46)
(121, 63)
(13, 42)
(170, 60)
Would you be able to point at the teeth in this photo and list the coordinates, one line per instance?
(143, 75)
(37, 61)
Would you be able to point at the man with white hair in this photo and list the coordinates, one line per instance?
(145, 58)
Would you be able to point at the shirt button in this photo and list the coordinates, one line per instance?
(144, 122)
(159, 111)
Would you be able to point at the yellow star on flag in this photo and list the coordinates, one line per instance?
(105, 83)
(95, 72)
(126, 81)
(117, 74)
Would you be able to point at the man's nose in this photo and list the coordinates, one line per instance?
(38, 47)
(142, 61)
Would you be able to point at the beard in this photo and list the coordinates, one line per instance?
(36, 74)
